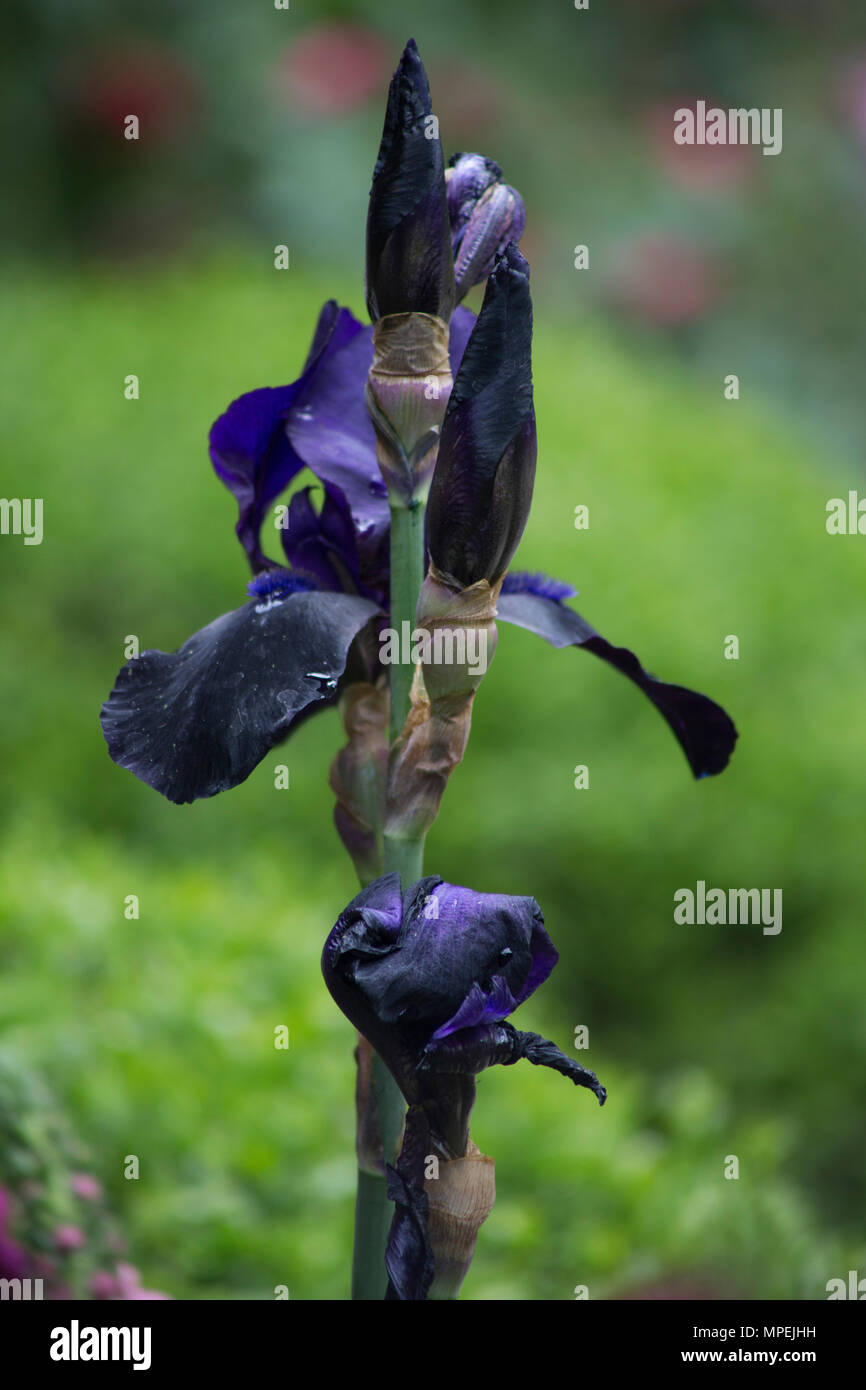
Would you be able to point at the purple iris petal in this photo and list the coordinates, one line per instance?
(489, 1005)
(322, 543)
(462, 323)
(197, 721)
(468, 177)
(704, 731)
(252, 449)
(321, 420)
(253, 457)
(330, 429)
(523, 582)
(485, 215)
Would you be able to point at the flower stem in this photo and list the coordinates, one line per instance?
(373, 1211)
(407, 574)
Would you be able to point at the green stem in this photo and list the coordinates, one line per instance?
(407, 575)
(373, 1211)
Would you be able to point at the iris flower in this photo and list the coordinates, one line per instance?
(197, 721)
(429, 975)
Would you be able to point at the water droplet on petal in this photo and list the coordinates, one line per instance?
(326, 682)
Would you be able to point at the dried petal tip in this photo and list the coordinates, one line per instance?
(409, 262)
(486, 215)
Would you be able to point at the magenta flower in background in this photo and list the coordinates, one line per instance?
(68, 1237)
(88, 1188)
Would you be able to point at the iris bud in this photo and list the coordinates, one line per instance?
(484, 475)
(486, 215)
(409, 263)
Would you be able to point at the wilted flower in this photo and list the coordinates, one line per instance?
(429, 976)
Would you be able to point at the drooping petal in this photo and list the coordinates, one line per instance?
(704, 731)
(541, 1052)
(250, 448)
(472, 1050)
(408, 1256)
(254, 458)
(197, 721)
(331, 431)
(488, 1005)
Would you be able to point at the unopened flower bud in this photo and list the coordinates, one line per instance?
(409, 263)
(486, 215)
(482, 484)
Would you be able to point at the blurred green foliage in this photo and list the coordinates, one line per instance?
(706, 518)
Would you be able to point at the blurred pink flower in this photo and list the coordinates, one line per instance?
(699, 168)
(334, 68)
(104, 1285)
(68, 1237)
(129, 1281)
(852, 95)
(122, 1286)
(663, 280)
(86, 1187)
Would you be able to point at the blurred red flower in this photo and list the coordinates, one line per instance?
(663, 280)
(334, 68)
(149, 81)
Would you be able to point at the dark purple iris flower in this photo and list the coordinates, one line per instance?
(429, 976)
(197, 721)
